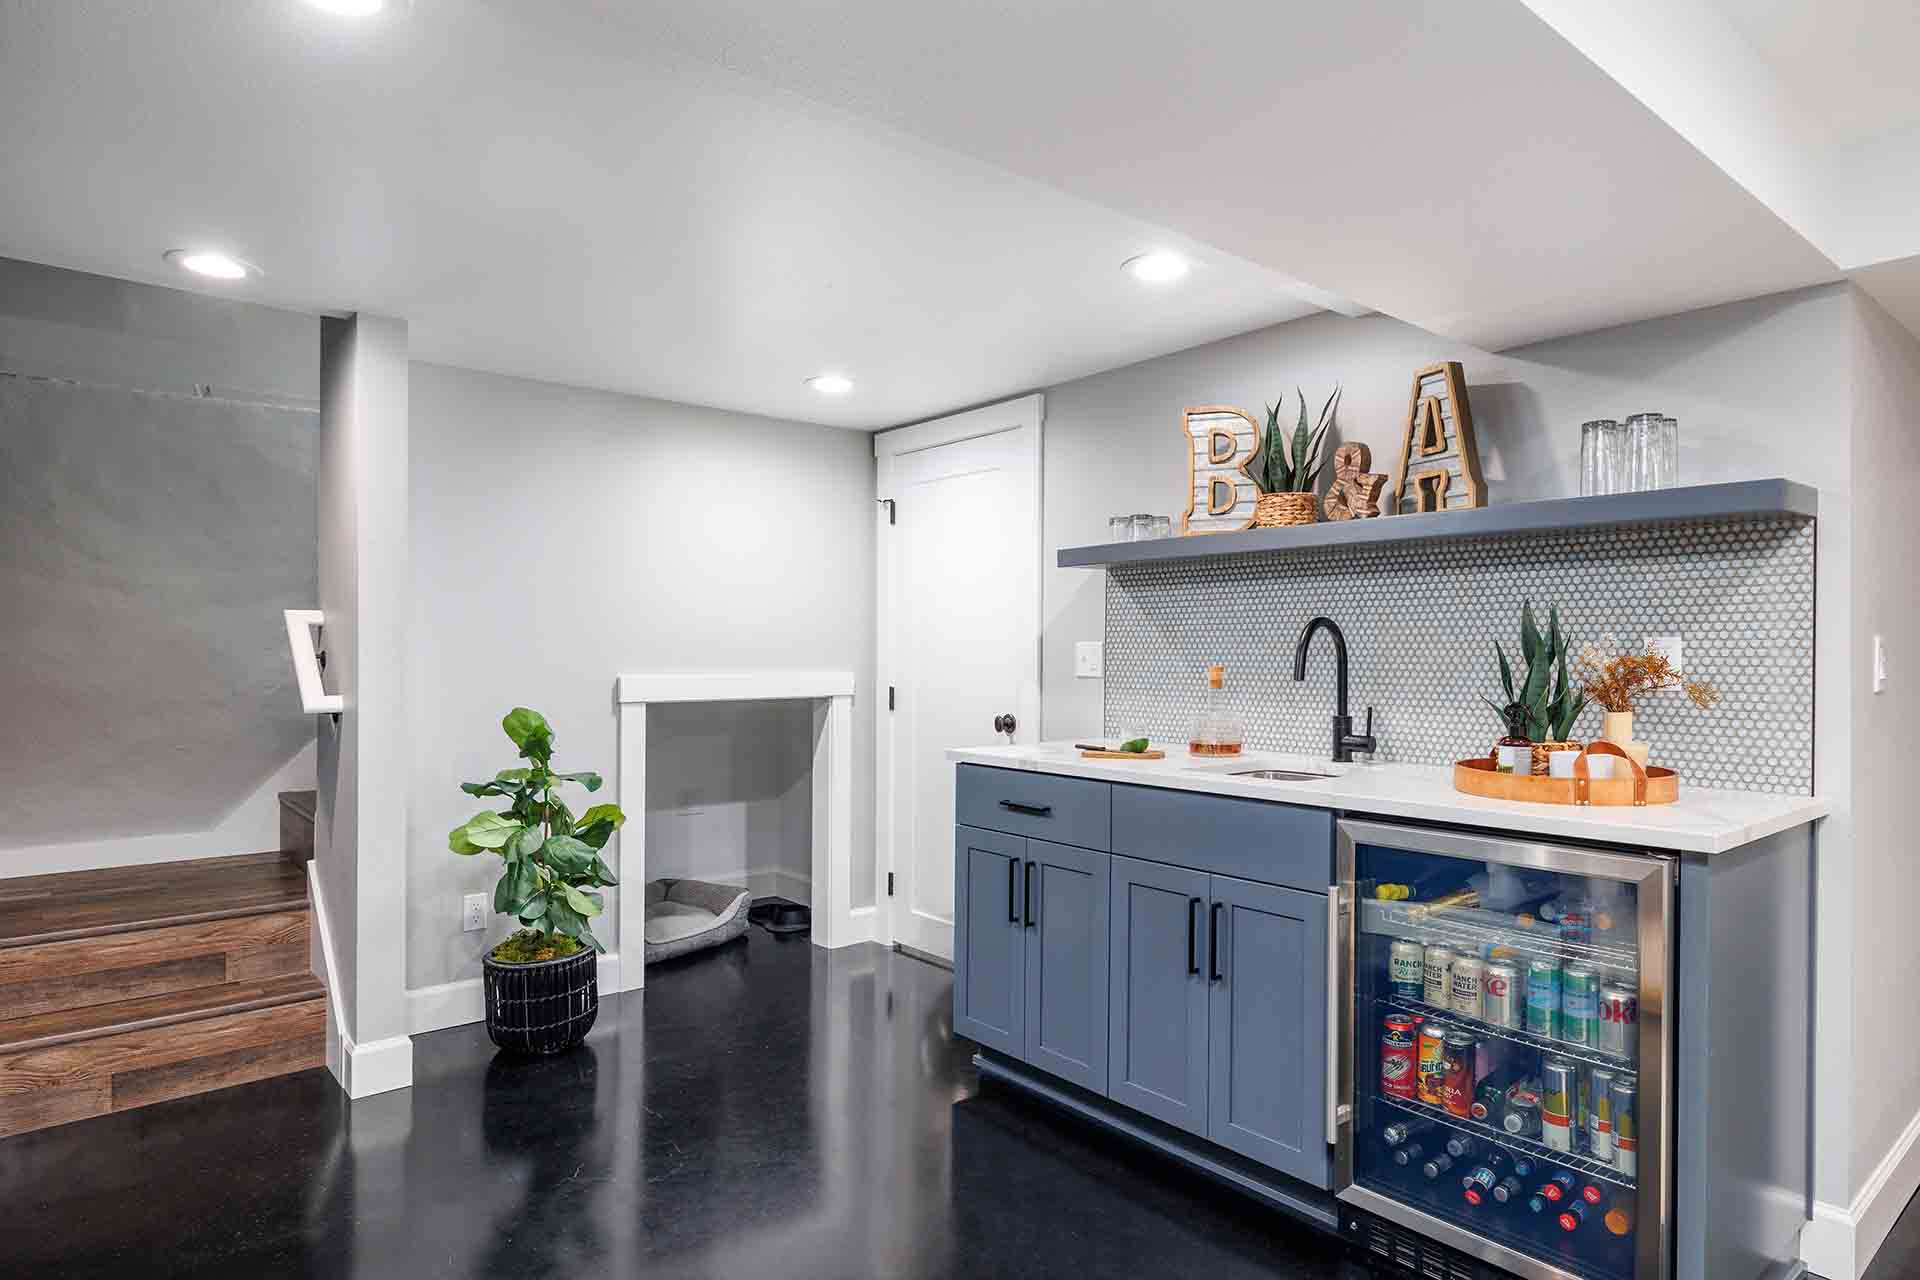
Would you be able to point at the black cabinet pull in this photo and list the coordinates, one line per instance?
(1031, 810)
(1029, 895)
(1213, 943)
(1193, 963)
(1013, 876)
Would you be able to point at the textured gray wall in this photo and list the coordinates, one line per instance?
(157, 480)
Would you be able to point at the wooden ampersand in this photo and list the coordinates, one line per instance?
(1355, 494)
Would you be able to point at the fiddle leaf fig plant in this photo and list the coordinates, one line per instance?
(552, 857)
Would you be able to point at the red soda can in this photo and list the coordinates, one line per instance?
(1456, 1089)
(1399, 1077)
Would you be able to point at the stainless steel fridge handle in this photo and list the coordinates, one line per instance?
(1335, 984)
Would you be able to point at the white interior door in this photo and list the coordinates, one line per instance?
(960, 637)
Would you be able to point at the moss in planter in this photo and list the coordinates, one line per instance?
(527, 947)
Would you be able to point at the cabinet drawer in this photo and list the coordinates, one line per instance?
(1253, 839)
(1072, 811)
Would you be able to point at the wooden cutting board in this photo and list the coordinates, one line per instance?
(1123, 755)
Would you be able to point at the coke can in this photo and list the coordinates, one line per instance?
(1456, 1089)
(1619, 1019)
(1432, 1064)
(1558, 1083)
(1580, 1004)
(1543, 997)
(1600, 1125)
(1500, 994)
(1436, 975)
(1626, 1126)
(1407, 969)
(1397, 1058)
(1464, 985)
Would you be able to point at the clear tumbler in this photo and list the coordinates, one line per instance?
(1646, 452)
(1600, 457)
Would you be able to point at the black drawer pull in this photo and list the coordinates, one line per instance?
(1029, 895)
(1031, 810)
(1193, 963)
(1013, 877)
(1213, 943)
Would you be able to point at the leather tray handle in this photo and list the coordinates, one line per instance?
(1583, 785)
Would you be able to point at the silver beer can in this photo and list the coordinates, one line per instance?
(1439, 972)
(1464, 985)
(1500, 994)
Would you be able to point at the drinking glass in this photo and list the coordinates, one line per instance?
(1142, 527)
(1600, 457)
(1163, 525)
(1119, 528)
(1670, 452)
(1644, 451)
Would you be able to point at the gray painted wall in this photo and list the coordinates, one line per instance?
(562, 536)
(157, 481)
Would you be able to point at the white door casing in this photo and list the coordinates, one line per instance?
(959, 637)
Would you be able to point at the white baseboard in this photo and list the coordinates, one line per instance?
(778, 882)
(362, 1070)
(1840, 1242)
(456, 1004)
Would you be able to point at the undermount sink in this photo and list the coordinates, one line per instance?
(1280, 775)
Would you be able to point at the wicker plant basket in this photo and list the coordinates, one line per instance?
(1541, 750)
(1278, 510)
(544, 1006)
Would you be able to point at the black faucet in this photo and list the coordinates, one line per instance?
(1345, 740)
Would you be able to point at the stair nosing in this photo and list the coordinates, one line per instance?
(299, 903)
(317, 991)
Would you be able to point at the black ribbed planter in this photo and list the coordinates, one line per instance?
(544, 1006)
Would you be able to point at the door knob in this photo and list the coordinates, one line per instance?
(1005, 724)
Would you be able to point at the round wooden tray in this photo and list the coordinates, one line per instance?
(1640, 786)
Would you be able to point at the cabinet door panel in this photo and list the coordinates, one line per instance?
(1066, 1030)
(1268, 1063)
(989, 941)
(1158, 1040)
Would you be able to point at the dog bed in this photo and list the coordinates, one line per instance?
(688, 915)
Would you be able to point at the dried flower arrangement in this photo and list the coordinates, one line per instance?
(1617, 682)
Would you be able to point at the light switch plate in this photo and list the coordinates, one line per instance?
(1879, 665)
(1089, 659)
(1674, 650)
(473, 912)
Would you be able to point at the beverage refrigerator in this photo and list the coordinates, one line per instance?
(1503, 1078)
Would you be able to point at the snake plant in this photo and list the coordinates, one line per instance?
(1279, 471)
(1546, 696)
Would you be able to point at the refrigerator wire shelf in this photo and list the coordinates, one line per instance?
(1479, 928)
(1513, 1035)
(1565, 1159)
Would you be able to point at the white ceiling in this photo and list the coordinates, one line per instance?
(538, 193)
(712, 202)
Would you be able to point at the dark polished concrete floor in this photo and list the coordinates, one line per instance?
(770, 1109)
(767, 1110)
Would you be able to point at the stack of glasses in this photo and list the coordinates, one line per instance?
(1643, 454)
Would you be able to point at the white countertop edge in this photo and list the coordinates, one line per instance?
(1702, 821)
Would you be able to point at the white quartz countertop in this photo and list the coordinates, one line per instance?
(1702, 821)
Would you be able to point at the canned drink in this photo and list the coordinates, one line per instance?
(1407, 969)
(1436, 974)
(1558, 1085)
(1397, 1057)
(1600, 1121)
(1432, 1065)
(1580, 1004)
(1464, 985)
(1456, 1089)
(1543, 997)
(1576, 926)
(1626, 1126)
(1500, 994)
(1522, 1119)
(1619, 1019)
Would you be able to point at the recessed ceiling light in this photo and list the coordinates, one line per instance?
(831, 384)
(1155, 268)
(350, 8)
(210, 262)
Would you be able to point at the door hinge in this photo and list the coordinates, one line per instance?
(893, 513)
(889, 884)
(889, 697)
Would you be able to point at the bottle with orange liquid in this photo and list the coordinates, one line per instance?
(1216, 731)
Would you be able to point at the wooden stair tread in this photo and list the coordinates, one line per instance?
(86, 904)
(67, 1026)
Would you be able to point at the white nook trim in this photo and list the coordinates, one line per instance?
(836, 922)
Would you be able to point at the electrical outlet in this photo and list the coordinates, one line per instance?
(1672, 648)
(1089, 659)
(1879, 666)
(473, 912)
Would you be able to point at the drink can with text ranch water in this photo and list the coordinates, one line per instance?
(1397, 1059)
(1432, 1063)
(1407, 969)
(1464, 985)
(1438, 976)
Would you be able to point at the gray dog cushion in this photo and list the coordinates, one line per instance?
(687, 915)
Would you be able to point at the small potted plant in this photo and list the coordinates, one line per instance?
(1618, 682)
(1544, 707)
(542, 984)
(1287, 480)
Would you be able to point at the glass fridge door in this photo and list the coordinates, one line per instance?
(1507, 1048)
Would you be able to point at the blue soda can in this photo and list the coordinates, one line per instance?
(1543, 997)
